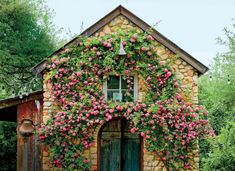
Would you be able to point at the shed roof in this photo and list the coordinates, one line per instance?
(14, 101)
(120, 10)
(8, 107)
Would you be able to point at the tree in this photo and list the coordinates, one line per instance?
(217, 88)
(27, 36)
(217, 93)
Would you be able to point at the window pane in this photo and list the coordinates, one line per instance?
(113, 82)
(117, 92)
(127, 96)
(124, 83)
(113, 95)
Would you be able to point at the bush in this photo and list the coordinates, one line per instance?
(7, 146)
(222, 156)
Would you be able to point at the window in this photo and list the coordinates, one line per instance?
(116, 89)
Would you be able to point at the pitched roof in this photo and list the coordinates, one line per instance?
(8, 107)
(14, 101)
(120, 10)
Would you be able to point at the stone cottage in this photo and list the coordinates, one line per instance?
(114, 147)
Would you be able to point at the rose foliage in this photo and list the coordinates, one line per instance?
(169, 126)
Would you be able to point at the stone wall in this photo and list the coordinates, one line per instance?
(186, 74)
(47, 107)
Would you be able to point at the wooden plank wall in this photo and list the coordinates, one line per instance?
(29, 110)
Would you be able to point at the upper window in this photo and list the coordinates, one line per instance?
(117, 89)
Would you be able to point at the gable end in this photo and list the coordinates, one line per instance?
(120, 10)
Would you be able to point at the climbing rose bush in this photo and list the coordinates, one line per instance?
(169, 126)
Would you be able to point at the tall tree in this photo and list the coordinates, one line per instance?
(217, 87)
(27, 35)
(217, 93)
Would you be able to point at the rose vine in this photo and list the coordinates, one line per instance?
(169, 126)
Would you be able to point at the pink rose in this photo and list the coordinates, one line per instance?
(105, 43)
(147, 114)
(85, 161)
(143, 49)
(176, 84)
(111, 110)
(129, 110)
(135, 36)
(53, 66)
(133, 130)
(149, 53)
(168, 74)
(111, 40)
(66, 50)
(162, 63)
(98, 53)
(119, 108)
(56, 162)
(78, 74)
(109, 45)
(132, 40)
(142, 134)
(150, 37)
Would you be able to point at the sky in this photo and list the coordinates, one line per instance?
(193, 25)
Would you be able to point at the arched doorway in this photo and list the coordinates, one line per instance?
(119, 150)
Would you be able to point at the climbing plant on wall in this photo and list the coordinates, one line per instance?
(169, 125)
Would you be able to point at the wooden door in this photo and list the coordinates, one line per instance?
(120, 150)
(131, 159)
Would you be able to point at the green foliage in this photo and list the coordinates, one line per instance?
(7, 146)
(219, 98)
(215, 93)
(222, 157)
(27, 36)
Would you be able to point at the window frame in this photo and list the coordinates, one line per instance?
(135, 90)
